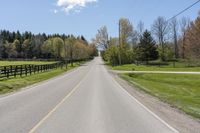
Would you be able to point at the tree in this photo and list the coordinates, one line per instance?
(111, 55)
(37, 42)
(184, 24)
(58, 48)
(81, 51)
(93, 50)
(10, 50)
(127, 38)
(1, 47)
(126, 33)
(26, 48)
(147, 47)
(70, 48)
(160, 30)
(47, 49)
(140, 28)
(192, 39)
(17, 47)
(174, 30)
(102, 37)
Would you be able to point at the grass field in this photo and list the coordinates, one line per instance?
(7, 63)
(181, 91)
(13, 84)
(178, 67)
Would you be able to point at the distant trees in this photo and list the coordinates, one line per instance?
(102, 37)
(160, 30)
(41, 46)
(174, 41)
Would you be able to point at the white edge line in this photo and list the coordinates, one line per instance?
(147, 109)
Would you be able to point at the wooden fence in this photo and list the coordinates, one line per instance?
(24, 70)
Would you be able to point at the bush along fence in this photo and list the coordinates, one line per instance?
(25, 70)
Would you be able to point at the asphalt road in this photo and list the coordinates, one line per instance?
(86, 100)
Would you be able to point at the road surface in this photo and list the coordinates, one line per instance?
(86, 100)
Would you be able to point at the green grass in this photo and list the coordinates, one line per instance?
(13, 84)
(7, 63)
(181, 91)
(178, 67)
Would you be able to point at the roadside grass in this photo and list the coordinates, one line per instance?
(14, 84)
(181, 91)
(179, 66)
(7, 63)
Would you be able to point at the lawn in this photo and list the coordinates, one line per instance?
(13, 84)
(179, 66)
(181, 91)
(7, 63)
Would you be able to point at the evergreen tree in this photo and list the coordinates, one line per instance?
(147, 47)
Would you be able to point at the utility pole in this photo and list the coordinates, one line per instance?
(119, 56)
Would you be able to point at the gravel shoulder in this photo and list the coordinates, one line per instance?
(178, 119)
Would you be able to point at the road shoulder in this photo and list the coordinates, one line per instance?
(181, 121)
(38, 83)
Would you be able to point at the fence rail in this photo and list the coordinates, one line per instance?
(24, 70)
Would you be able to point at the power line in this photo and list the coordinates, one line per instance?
(184, 10)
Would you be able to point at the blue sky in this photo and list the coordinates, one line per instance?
(84, 17)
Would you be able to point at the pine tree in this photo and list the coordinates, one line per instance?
(147, 47)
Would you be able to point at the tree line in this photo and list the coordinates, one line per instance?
(41, 46)
(166, 41)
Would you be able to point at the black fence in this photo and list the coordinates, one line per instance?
(24, 70)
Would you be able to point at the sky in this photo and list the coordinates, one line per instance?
(85, 17)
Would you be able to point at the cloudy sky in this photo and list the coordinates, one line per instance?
(84, 17)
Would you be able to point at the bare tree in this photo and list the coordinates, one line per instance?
(184, 24)
(174, 30)
(140, 28)
(102, 37)
(160, 30)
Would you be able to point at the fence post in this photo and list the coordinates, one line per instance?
(7, 73)
(30, 69)
(21, 71)
(15, 73)
(26, 70)
(11, 70)
(38, 68)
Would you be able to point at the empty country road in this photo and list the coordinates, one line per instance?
(85, 100)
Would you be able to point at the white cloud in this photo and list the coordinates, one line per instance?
(55, 11)
(73, 5)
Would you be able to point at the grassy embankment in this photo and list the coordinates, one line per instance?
(181, 91)
(13, 84)
(179, 66)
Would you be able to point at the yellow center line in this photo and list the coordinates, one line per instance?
(56, 107)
